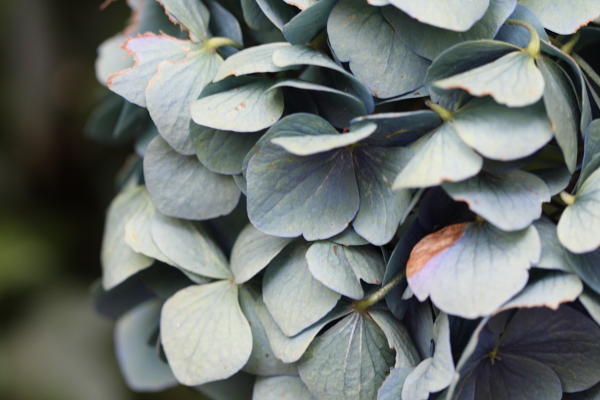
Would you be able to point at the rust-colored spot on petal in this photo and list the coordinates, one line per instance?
(243, 105)
(335, 249)
(431, 245)
(397, 132)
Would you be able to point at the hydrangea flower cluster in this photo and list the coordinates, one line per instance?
(352, 200)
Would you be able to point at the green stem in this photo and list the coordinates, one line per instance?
(587, 68)
(555, 41)
(569, 199)
(216, 42)
(567, 48)
(444, 114)
(320, 41)
(366, 303)
(534, 46)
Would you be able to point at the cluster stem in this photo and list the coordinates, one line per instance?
(366, 303)
(534, 47)
(444, 113)
(216, 42)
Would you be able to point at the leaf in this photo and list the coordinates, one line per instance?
(591, 159)
(590, 394)
(561, 109)
(509, 201)
(252, 251)
(444, 157)
(511, 378)
(384, 64)
(120, 299)
(291, 125)
(205, 334)
(397, 337)
(181, 242)
(165, 280)
(240, 181)
(262, 360)
(419, 92)
(381, 208)
(139, 361)
(502, 133)
(279, 387)
(223, 152)
(437, 209)
(464, 57)
(310, 21)
(340, 268)
(564, 17)
(578, 228)
(132, 120)
(470, 269)
(455, 15)
(578, 83)
(224, 24)
(294, 298)
(328, 264)
(435, 373)
(348, 237)
(173, 89)
(518, 35)
(554, 255)
(190, 14)
(137, 230)
(336, 106)
(397, 264)
(306, 145)
(513, 80)
(349, 361)
(180, 186)
(564, 340)
(247, 108)
(591, 302)
(102, 122)
(148, 52)
(290, 349)
(429, 41)
(586, 266)
(277, 11)
(292, 195)
(392, 387)
(306, 55)
(255, 18)
(400, 128)
(119, 261)
(557, 179)
(419, 322)
(550, 290)
(251, 61)
(150, 16)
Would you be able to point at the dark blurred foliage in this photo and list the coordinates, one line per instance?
(55, 186)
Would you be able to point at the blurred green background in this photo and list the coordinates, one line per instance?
(55, 186)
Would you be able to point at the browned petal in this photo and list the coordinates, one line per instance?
(431, 245)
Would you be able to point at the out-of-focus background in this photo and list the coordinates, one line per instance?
(55, 186)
